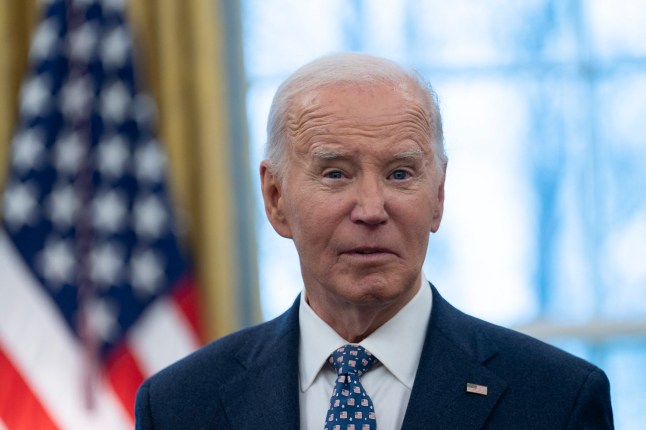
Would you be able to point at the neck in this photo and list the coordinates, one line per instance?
(355, 322)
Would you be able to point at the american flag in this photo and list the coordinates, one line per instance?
(95, 292)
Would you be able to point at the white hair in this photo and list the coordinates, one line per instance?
(344, 68)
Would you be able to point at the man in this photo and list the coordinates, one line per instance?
(354, 175)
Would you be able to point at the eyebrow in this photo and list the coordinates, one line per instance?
(410, 154)
(326, 154)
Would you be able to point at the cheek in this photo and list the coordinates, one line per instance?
(313, 219)
(415, 208)
(415, 222)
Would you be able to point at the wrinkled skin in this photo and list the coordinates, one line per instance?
(362, 192)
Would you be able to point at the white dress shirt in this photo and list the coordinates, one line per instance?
(388, 383)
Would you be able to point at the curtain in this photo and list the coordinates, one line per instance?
(17, 19)
(182, 58)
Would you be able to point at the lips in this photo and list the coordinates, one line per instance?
(368, 250)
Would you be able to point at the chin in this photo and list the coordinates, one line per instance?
(396, 285)
(373, 293)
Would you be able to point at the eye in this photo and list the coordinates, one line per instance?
(399, 175)
(333, 174)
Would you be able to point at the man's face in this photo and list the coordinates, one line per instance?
(360, 196)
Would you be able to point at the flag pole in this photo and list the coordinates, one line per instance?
(81, 126)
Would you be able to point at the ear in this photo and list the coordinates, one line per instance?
(272, 195)
(439, 204)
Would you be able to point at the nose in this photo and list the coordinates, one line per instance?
(369, 202)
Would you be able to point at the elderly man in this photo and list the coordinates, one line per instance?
(354, 175)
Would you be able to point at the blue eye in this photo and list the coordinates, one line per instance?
(334, 175)
(399, 175)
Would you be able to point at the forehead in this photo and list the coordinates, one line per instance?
(361, 101)
(335, 113)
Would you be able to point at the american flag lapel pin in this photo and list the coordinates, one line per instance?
(476, 389)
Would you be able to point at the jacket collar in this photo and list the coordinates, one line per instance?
(264, 393)
(453, 356)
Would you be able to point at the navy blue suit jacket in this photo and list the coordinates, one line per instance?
(249, 380)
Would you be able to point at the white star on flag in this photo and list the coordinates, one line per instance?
(102, 319)
(83, 41)
(149, 216)
(20, 205)
(113, 155)
(76, 97)
(57, 262)
(109, 211)
(34, 96)
(146, 273)
(44, 42)
(63, 206)
(69, 153)
(106, 264)
(115, 102)
(149, 162)
(115, 47)
(30, 148)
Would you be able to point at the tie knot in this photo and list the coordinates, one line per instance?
(351, 359)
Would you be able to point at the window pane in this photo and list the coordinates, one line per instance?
(616, 28)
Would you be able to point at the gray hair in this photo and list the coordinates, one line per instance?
(344, 68)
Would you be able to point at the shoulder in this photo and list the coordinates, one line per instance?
(190, 389)
(219, 358)
(539, 377)
(493, 342)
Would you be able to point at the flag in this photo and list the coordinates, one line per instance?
(95, 291)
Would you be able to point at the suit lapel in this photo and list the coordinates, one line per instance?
(452, 357)
(264, 394)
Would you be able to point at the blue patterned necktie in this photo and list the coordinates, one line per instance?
(350, 406)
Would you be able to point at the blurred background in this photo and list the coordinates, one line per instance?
(544, 107)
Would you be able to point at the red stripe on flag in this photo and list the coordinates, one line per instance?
(20, 409)
(125, 376)
(185, 295)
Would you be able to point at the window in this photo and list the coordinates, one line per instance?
(544, 106)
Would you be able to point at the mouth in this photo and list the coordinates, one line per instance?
(368, 251)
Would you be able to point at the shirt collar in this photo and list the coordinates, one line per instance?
(317, 341)
(406, 331)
